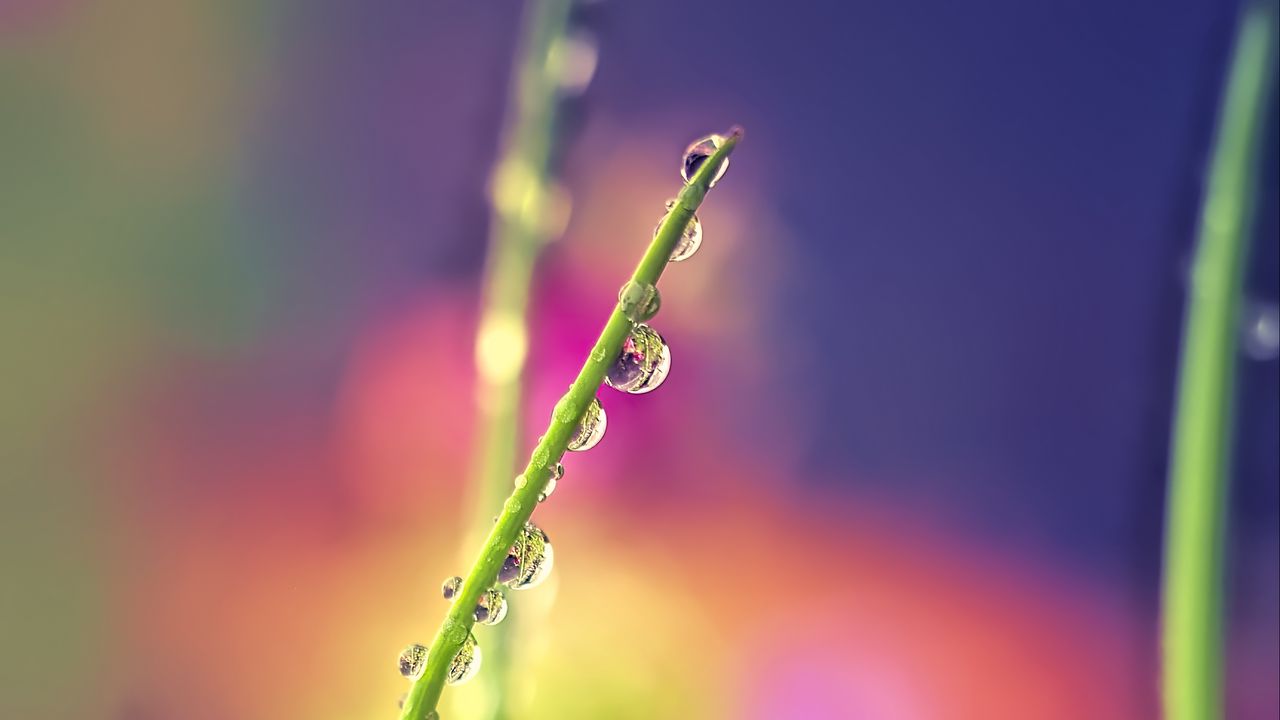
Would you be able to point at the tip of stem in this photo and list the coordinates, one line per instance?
(736, 132)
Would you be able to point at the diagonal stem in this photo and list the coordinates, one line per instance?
(519, 506)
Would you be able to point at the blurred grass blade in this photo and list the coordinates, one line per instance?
(1202, 430)
(523, 202)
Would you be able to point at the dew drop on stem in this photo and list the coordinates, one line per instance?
(491, 608)
(639, 301)
(529, 560)
(557, 472)
(690, 239)
(643, 363)
(466, 663)
(697, 153)
(413, 660)
(591, 429)
(450, 587)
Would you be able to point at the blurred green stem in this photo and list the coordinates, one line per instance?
(523, 199)
(519, 506)
(1200, 454)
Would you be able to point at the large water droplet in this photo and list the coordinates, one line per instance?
(643, 363)
(413, 660)
(639, 301)
(557, 472)
(466, 663)
(690, 239)
(491, 607)
(451, 587)
(591, 429)
(697, 153)
(530, 559)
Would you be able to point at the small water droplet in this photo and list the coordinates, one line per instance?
(512, 505)
(643, 363)
(491, 608)
(531, 558)
(639, 301)
(690, 239)
(591, 429)
(451, 587)
(599, 353)
(563, 411)
(521, 481)
(466, 663)
(1261, 339)
(697, 153)
(557, 472)
(413, 660)
(541, 456)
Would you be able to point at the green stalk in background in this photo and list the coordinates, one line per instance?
(525, 213)
(420, 704)
(1202, 429)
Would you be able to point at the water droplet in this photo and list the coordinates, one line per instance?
(451, 587)
(491, 608)
(697, 153)
(557, 472)
(530, 559)
(512, 505)
(591, 429)
(466, 663)
(541, 456)
(521, 481)
(639, 301)
(689, 241)
(599, 353)
(643, 363)
(1261, 339)
(413, 660)
(563, 411)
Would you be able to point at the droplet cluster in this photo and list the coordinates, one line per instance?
(641, 366)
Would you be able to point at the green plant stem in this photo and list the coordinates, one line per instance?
(1200, 453)
(519, 506)
(518, 232)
